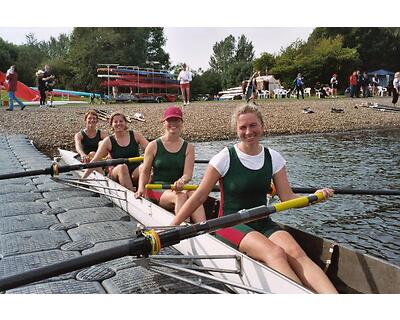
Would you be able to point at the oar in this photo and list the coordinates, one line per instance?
(151, 242)
(55, 168)
(295, 189)
(352, 191)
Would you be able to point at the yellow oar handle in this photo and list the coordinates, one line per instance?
(299, 202)
(169, 186)
(135, 159)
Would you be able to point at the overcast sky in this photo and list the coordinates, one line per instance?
(192, 45)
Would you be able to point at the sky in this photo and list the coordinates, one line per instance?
(192, 45)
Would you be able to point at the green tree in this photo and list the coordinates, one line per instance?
(378, 48)
(232, 60)
(30, 56)
(127, 46)
(223, 54)
(8, 55)
(316, 60)
(265, 61)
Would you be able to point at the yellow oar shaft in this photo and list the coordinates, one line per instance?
(297, 203)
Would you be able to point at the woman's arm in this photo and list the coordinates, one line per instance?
(283, 189)
(209, 180)
(285, 192)
(188, 168)
(103, 134)
(145, 171)
(78, 147)
(102, 151)
(141, 140)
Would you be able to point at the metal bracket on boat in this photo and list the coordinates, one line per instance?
(328, 261)
(85, 185)
(157, 266)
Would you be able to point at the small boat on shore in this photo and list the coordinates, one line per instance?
(350, 270)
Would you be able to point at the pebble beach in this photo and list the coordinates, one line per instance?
(52, 128)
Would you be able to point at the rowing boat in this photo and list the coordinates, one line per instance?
(350, 270)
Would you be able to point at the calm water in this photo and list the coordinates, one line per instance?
(362, 160)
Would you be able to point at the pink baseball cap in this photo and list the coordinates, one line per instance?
(172, 112)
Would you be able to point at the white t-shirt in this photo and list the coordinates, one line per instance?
(185, 76)
(396, 83)
(221, 160)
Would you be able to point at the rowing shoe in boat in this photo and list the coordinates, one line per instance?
(350, 270)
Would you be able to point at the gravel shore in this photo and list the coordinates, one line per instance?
(54, 128)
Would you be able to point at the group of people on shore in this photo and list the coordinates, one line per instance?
(45, 82)
(244, 171)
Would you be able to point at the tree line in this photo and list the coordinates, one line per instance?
(74, 57)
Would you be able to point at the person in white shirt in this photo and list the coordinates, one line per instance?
(334, 85)
(244, 171)
(396, 88)
(184, 78)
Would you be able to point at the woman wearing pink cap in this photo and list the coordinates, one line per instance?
(172, 160)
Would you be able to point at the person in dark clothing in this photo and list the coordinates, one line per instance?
(365, 85)
(41, 84)
(299, 84)
(50, 81)
(123, 143)
(12, 81)
(353, 80)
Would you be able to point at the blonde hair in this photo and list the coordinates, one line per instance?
(243, 109)
(91, 112)
(397, 74)
(117, 113)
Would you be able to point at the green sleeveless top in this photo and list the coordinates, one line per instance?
(243, 188)
(130, 151)
(90, 144)
(168, 166)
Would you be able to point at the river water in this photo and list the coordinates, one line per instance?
(362, 160)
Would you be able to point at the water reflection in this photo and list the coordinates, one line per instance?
(362, 160)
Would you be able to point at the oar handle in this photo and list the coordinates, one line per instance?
(160, 186)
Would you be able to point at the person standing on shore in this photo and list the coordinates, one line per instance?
(184, 78)
(244, 171)
(396, 88)
(50, 81)
(251, 89)
(41, 84)
(12, 81)
(87, 140)
(334, 85)
(353, 80)
(375, 84)
(171, 159)
(299, 85)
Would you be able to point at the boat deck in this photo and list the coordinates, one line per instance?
(43, 222)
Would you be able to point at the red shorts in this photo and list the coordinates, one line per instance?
(185, 86)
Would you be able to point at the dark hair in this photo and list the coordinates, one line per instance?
(93, 112)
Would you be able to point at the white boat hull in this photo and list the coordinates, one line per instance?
(254, 274)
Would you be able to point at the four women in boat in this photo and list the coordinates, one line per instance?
(87, 140)
(171, 159)
(123, 143)
(244, 172)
